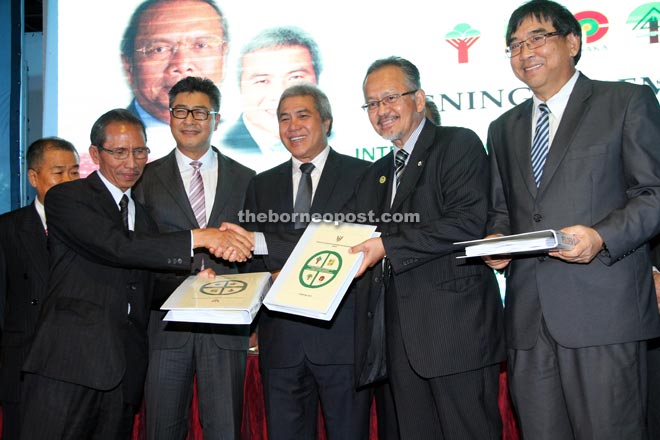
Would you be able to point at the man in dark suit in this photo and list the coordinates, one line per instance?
(576, 320)
(86, 367)
(215, 354)
(304, 361)
(24, 270)
(653, 355)
(442, 316)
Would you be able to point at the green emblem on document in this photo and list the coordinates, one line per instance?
(320, 269)
(223, 287)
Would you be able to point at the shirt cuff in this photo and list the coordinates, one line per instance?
(260, 245)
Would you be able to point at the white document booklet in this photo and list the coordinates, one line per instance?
(319, 271)
(536, 241)
(225, 299)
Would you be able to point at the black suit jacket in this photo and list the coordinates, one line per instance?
(162, 193)
(86, 335)
(450, 310)
(602, 171)
(23, 279)
(284, 340)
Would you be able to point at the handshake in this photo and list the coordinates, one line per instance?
(229, 242)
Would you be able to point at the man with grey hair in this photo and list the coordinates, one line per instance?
(304, 361)
(272, 61)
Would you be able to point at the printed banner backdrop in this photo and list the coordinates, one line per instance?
(458, 48)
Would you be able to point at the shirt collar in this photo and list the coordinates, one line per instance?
(318, 161)
(114, 191)
(208, 160)
(557, 103)
(41, 211)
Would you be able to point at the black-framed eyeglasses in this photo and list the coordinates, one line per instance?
(122, 153)
(533, 42)
(372, 106)
(198, 114)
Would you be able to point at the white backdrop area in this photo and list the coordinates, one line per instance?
(457, 46)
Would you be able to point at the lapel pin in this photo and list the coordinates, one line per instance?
(382, 179)
(420, 163)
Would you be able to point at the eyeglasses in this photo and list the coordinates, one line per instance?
(533, 42)
(163, 49)
(198, 114)
(122, 153)
(372, 106)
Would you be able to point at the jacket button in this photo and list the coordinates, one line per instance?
(370, 315)
(179, 261)
(537, 217)
(542, 258)
(376, 279)
(34, 301)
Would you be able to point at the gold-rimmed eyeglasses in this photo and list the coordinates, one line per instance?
(372, 106)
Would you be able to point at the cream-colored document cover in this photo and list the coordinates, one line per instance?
(319, 271)
(225, 299)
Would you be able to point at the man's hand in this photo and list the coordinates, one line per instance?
(226, 226)
(656, 282)
(497, 262)
(588, 246)
(374, 251)
(207, 273)
(227, 245)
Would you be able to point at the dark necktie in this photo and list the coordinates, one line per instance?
(541, 142)
(304, 194)
(123, 209)
(196, 196)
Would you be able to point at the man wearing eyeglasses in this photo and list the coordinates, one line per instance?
(194, 185)
(430, 323)
(86, 367)
(580, 156)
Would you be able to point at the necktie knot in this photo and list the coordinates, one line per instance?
(307, 168)
(399, 164)
(196, 165)
(123, 209)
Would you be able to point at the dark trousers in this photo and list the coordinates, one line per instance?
(58, 410)
(653, 410)
(459, 406)
(594, 393)
(11, 421)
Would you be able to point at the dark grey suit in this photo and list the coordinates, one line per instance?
(219, 350)
(289, 344)
(23, 278)
(447, 313)
(602, 171)
(92, 330)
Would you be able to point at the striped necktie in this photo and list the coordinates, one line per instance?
(196, 196)
(399, 164)
(541, 142)
(123, 209)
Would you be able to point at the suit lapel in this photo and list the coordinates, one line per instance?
(327, 182)
(571, 120)
(33, 238)
(521, 142)
(384, 175)
(170, 179)
(415, 165)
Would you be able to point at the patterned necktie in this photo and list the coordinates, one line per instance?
(399, 164)
(304, 194)
(123, 209)
(541, 142)
(196, 195)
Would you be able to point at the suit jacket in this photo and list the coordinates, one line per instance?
(87, 335)
(602, 171)
(285, 340)
(162, 193)
(23, 278)
(238, 139)
(450, 310)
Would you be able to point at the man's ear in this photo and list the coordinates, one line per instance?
(94, 153)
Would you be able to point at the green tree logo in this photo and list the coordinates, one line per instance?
(645, 17)
(462, 38)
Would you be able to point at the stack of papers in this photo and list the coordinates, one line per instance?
(537, 241)
(225, 299)
(319, 271)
